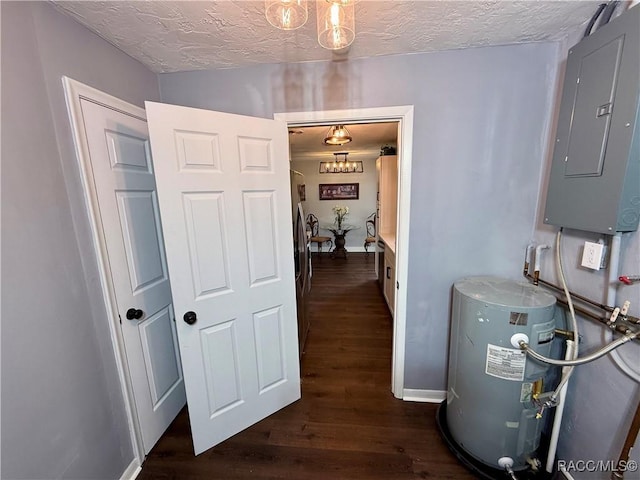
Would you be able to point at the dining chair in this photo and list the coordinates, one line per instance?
(314, 226)
(370, 225)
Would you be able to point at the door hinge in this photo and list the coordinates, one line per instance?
(397, 285)
(120, 318)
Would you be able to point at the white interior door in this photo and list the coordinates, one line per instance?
(124, 182)
(223, 186)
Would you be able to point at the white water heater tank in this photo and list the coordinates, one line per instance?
(490, 413)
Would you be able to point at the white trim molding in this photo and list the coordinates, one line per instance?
(74, 92)
(132, 471)
(404, 116)
(428, 396)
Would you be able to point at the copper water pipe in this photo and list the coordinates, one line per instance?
(606, 308)
(536, 280)
(623, 460)
(628, 318)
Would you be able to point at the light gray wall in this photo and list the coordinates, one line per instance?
(359, 209)
(481, 121)
(62, 409)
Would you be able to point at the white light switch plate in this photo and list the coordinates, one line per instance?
(592, 255)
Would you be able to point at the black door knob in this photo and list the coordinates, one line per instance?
(190, 317)
(134, 314)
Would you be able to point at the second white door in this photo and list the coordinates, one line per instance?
(123, 179)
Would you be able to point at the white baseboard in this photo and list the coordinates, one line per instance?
(418, 395)
(132, 471)
(350, 249)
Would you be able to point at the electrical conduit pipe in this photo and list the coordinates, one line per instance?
(557, 416)
(571, 353)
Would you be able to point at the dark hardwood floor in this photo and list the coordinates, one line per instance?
(347, 424)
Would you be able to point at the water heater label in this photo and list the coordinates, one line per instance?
(505, 363)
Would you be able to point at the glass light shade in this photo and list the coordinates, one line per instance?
(337, 135)
(286, 14)
(336, 23)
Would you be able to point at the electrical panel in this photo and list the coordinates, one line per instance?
(595, 175)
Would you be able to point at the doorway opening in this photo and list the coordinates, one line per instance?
(403, 115)
(350, 166)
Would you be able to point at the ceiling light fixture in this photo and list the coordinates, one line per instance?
(341, 165)
(286, 14)
(335, 19)
(337, 135)
(336, 23)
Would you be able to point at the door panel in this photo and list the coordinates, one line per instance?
(260, 219)
(198, 151)
(269, 348)
(225, 203)
(255, 154)
(124, 182)
(128, 152)
(157, 337)
(207, 236)
(221, 364)
(138, 214)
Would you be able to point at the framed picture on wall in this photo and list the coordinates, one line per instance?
(339, 191)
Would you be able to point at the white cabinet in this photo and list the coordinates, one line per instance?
(387, 166)
(387, 193)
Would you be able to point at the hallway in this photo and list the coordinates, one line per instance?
(347, 424)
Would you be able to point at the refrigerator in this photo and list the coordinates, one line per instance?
(301, 255)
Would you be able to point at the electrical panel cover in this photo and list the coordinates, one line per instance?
(595, 174)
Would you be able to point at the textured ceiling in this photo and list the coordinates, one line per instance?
(169, 36)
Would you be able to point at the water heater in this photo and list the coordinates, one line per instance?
(490, 412)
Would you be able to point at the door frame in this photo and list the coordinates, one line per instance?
(74, 92)
(404, 116)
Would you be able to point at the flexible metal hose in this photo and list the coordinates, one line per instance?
(582, 360)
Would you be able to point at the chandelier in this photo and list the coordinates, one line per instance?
(341, 165)
(337, 135)
(335, 19)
